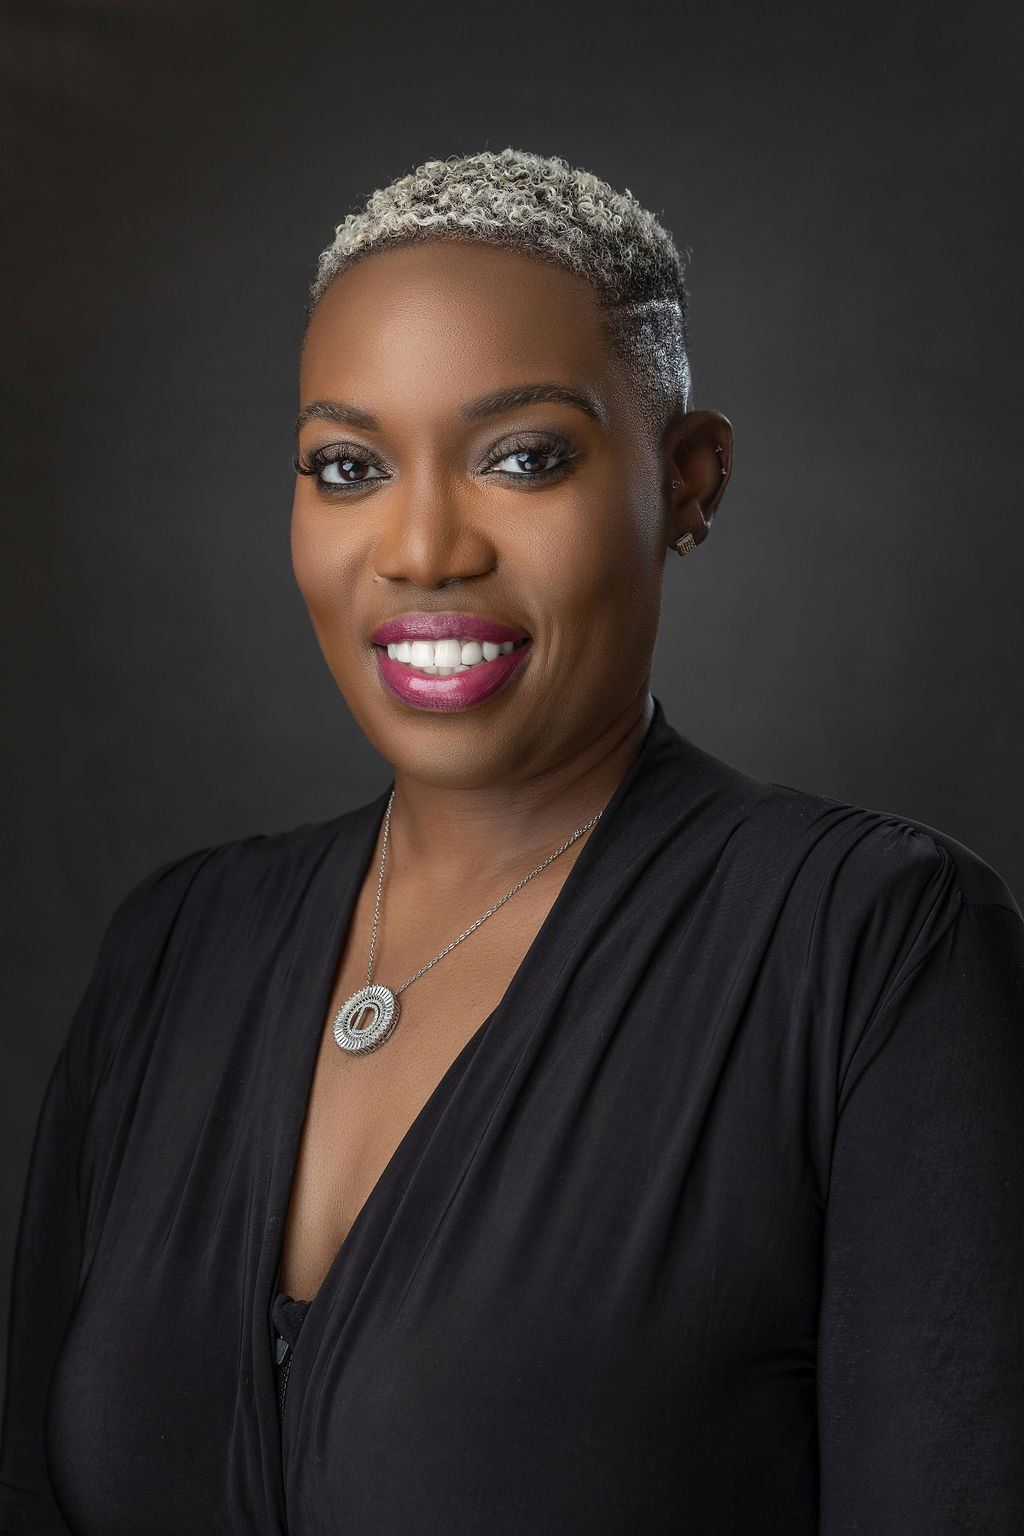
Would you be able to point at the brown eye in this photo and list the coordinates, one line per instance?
(348, 471)
(526, 460)
(338, 469)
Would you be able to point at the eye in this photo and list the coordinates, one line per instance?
(533, 459)
(349, 471)
(339, 468)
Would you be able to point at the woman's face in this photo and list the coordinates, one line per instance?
(429, 499)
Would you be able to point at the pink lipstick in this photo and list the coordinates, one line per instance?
(444, 626)
(459, 690)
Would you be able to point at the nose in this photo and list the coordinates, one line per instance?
(430, 536)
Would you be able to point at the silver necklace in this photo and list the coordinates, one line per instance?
(380, 1002)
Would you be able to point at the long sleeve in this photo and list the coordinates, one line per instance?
(48, 1248)
(44, 1281)
(921, 1340)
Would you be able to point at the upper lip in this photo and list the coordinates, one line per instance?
(444, 626)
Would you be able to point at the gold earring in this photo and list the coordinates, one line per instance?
(686, 543)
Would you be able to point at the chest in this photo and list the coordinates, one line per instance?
(361, 1106)
(605, 1235)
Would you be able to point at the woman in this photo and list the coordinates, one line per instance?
(584, 1135)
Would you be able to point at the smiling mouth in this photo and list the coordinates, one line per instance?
(443, 658)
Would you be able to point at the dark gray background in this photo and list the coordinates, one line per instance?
(845, 177)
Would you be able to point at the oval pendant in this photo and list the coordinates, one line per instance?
(383, 1008)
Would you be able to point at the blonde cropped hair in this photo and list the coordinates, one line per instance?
(542, 206)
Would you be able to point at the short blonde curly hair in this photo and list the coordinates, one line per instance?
(542, 206)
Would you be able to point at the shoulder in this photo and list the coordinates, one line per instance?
(880, 898)
(853, 898)
(865, 855)
(801, 839)
(242, 886)
(184, 924)
(152, 904)
(876, 913)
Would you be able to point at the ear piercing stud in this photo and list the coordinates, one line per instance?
(686, 543)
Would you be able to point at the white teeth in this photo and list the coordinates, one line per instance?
(443, 657)
(447, 653)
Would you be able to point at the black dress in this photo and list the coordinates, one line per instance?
(715, 1225)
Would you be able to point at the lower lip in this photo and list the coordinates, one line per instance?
(459, 691)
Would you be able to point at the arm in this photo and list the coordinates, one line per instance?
(48, 1249)
(921, 1339)
(44, 1282)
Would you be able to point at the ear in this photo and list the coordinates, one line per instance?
(698, 460)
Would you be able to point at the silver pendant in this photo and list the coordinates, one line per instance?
(383, 1007)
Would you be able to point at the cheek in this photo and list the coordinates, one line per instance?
(320, 559)
(325, 563)
(595, 555)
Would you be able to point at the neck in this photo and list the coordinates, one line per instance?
(453, 838)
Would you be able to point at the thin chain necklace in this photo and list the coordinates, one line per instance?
(381, 1002)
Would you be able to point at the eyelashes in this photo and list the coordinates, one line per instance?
(347, 460)
(356, 467)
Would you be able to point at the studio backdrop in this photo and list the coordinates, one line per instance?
(840, 178)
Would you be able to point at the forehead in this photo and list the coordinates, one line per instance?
(439, 321)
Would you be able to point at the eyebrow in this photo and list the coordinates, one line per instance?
(499, 400)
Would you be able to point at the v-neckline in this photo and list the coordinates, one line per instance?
(331, 954)
(436, 1093)
(323, 930)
